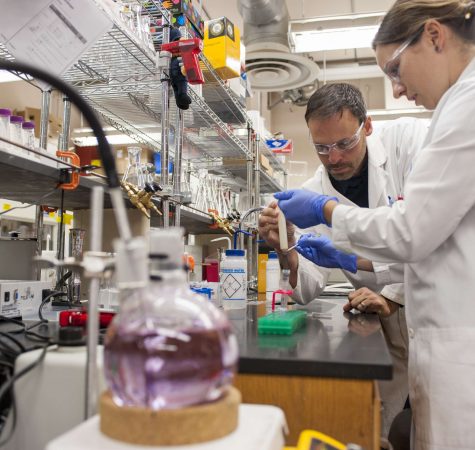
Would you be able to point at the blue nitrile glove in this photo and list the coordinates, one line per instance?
(320, 250)
(303, 208)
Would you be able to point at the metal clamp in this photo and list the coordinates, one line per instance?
(74, 181)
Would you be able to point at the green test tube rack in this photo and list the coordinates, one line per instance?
(281, 322)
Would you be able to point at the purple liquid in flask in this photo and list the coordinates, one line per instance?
(168, 347)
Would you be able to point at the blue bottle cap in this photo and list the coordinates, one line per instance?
(233, 252)
(203, 291)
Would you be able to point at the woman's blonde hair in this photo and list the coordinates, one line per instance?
(407, 17)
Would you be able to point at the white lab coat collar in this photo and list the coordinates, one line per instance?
(377, 177)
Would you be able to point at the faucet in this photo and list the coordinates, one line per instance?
(248, 213)
(252, 250)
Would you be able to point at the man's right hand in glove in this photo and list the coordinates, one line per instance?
(269, 229)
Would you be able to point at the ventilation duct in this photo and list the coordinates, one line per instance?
(269, 64)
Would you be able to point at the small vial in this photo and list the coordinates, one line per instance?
(5, 124)
(28, 130)
(284, 285)
(15, 129)
(272, 275)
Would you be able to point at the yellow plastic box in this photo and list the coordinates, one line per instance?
(222, 47)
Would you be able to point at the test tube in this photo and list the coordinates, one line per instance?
(284, 285)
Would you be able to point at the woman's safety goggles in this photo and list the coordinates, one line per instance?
(391, 68)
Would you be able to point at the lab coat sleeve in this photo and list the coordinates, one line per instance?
(394, 292)
(438, 194)
(311, 281)
(388, 273)
(404, 138)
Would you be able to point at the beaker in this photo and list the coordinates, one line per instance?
(134, 173)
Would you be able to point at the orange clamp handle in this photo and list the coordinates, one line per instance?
(74, 159)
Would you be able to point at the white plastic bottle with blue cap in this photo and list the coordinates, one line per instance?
(233, 279)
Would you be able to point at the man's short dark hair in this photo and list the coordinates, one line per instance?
(334, 98)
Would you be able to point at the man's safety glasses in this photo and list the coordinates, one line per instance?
(391, 68)
(344, 145)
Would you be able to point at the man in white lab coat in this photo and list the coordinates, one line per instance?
(366, 169)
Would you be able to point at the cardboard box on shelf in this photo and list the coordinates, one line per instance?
(90, 155)
(265, 163)
(234, 162)
(55, 126)
(221, 46)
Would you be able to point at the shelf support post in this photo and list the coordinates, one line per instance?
(64, 136)
(165, 118)
(177, 168)
(44, 118)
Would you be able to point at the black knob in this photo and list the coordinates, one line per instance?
(71, 336)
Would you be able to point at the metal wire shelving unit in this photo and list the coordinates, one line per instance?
(119, 77)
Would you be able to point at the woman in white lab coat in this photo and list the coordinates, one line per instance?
(427, 48)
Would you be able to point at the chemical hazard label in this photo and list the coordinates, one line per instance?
(231, 285)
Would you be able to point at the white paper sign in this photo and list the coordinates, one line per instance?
(51, 34)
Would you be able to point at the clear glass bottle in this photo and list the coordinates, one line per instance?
(15, 130)
(5, 125)
(168, 347)
(28, 136)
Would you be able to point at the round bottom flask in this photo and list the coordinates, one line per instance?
(168, 347)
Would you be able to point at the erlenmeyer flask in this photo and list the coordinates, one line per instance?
(134, 173)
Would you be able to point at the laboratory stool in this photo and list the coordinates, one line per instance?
(261, 427)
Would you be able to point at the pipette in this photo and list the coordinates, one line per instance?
(289, 249)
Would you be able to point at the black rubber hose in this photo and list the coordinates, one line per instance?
(76, 99)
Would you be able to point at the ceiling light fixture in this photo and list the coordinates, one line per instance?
(328, 33)
(376, 114)
(334, 39)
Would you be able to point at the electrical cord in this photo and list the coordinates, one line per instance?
(43, 303)
(14, 340)
(8, 386)
(7, 398)
(62, 281)
(16, 322)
